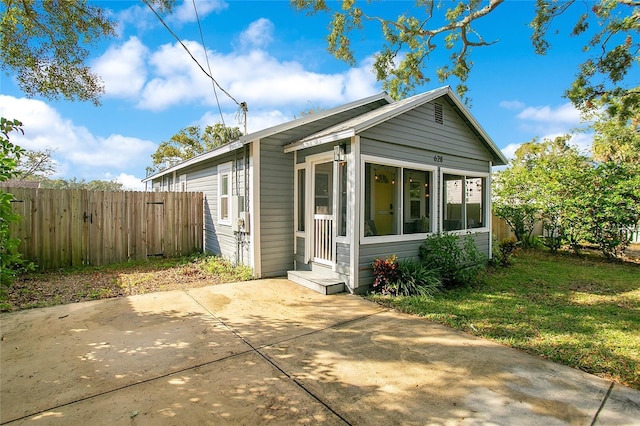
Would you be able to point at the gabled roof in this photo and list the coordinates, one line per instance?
(291, 130)
(365, 121)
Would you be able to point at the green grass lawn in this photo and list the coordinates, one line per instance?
(579, 311)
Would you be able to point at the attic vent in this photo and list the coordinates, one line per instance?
(437, 110)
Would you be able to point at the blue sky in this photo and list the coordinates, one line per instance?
(274, 59)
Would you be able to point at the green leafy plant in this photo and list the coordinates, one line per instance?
(404, 278)
(11, 262)
(225, 269)
(457, 259)
(504, 251)
(415, 279)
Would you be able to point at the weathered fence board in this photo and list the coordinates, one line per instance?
(62, 228)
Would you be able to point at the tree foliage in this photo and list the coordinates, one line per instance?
(10, 258)
(191, 141)
(410, 38)
(75, 183)
(35, 165)
(45, 43)
(578, 200)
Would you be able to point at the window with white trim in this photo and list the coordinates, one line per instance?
(398, 199)
(224, 194)
(464, 202)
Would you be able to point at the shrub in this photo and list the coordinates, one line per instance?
(11, 262)
(504, 251)
(457, 259)
(385, 274)
(224, 269)
(404, 278)
(417, 280)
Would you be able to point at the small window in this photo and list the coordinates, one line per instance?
(183, 183)
(224, 193)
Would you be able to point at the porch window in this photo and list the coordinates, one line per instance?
(464, 202)
(398, 200)
(381, 200)
(224, 191)
(301, 199)
(417, 207)
(342, 199)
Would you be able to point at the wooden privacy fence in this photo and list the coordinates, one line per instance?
(70, 227)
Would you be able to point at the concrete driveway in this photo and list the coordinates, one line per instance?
(272, 352)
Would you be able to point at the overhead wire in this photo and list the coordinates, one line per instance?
(206, 55)
(190, 54)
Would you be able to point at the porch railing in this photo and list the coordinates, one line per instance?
(323, 239)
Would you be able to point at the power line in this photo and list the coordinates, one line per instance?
(189, 52)
(206, 55)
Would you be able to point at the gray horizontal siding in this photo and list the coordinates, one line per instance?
(219, 239)
(370, 252)
(418, 128)
(276, 208)
(404, 250)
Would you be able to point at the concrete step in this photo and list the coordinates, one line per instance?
(317, 282)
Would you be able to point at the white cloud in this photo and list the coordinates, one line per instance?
(140, 16)
(513, 105)
(77, 152)
(122, 68)
(256, 78)
(256, 119)
(129, 182)
(185, 12)
(258, 34)
(565, 114)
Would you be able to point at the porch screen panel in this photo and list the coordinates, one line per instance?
(475, 195)
(417, 201)
(381, 199)
(301, 200)
(453, 187)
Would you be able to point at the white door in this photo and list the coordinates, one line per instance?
(323, 213)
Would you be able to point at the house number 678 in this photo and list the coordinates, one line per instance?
(438, 158)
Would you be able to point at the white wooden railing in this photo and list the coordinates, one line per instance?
(323, 238)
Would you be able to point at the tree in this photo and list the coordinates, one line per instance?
(190, 142)
(74, 183)
(615, 139)
(44, 42)
(35, 165)
(411, 38)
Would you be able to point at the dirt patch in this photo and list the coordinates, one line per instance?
(56, 288)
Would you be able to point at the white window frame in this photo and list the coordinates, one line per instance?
(224, 169)
(183, 183)
(466, 174)
(400, 217)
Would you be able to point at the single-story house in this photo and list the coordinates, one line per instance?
(320, 197)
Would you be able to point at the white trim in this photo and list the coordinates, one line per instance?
(355, 225)
(311, 161)
(487, 201)
(225, 169)
(308, 143)
(254, 207)
(490, 210)
(402, 164)
(296, 203)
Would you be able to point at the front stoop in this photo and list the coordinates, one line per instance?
(317, 282)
